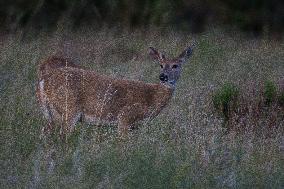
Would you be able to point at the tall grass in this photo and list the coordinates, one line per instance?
(184, 147)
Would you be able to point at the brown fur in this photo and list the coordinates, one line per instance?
(68, 93)
(73, 92)
(54, 62)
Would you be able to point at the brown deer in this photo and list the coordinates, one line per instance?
(68, 93)
(54, 62)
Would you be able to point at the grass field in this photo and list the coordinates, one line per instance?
(189, 145)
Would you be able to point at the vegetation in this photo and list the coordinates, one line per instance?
(281, 98)
(238, 108)
(184, 147)
(254, 16)
(225, 98)
(270, 92)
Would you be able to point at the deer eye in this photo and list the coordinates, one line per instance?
(161, 65)
(174, 66)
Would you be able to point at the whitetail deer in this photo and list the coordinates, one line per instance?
(68, 93)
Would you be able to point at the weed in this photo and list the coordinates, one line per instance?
(281, 98)
(270, 92)
(225, 99)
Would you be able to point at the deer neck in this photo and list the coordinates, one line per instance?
(172, 85)
(164, 95)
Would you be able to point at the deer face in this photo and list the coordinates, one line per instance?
(170, 68)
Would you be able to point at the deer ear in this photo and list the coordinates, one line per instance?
(183, 57)
(156, 55)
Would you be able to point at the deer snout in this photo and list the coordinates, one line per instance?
(163, 77)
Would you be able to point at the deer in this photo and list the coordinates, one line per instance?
(53, 62)
(68, 93)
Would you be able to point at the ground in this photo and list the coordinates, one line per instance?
(186, 146)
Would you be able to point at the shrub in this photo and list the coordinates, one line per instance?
(224, 99)
(270, 92)
(281, 98)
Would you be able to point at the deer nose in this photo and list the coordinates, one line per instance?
(163, 77)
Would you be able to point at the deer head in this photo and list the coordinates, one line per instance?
(170, 67)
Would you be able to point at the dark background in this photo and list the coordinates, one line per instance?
(256, 17)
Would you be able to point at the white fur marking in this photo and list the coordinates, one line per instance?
(93, 120)
(43, 99)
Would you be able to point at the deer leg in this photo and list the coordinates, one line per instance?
(127, 118)
(69, 121)
(47, 129)
(45, 108)
(124, 126)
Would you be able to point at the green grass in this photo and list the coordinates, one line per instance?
(183, 147)
(281, 98)
(225, 99)
(270, 92)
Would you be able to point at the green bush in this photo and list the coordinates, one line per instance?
(224, 98)
(281, 98)
(270, 92)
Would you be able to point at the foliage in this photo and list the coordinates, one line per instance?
(241, 107)
(256, 16)
(270, 92)
(281, 98)
(225, 99)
